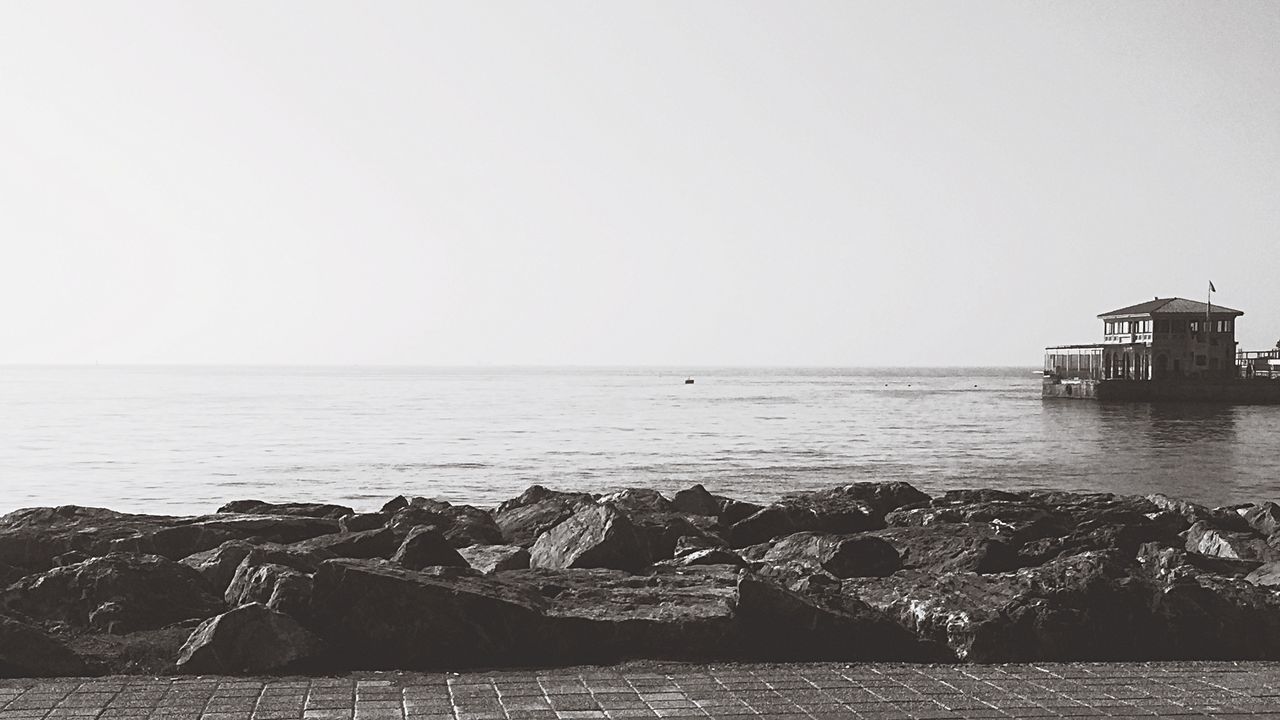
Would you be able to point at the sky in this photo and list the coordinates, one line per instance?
(648, 183)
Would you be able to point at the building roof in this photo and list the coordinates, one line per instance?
(1170, 306)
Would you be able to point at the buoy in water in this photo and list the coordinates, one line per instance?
(688, 381)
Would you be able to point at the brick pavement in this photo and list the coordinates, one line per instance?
(801, 691)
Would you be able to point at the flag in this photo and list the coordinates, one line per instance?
(1211, 287)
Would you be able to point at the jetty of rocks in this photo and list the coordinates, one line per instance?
(860, 572)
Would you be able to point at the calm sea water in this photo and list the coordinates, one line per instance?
(185, 440)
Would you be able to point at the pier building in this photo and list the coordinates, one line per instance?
(1166, 348)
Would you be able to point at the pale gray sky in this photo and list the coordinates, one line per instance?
(822, 183)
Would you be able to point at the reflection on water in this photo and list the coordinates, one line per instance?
(188, 439)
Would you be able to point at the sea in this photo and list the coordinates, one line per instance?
(185, 440)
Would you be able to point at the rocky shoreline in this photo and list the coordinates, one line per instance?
(868, 571)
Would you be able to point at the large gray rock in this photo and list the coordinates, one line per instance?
(948, 547)
(489, 559)
(31, 538)
(426, 547)
(844, 556)
(380, 616)
(278, 587)
(252, 639)
(1263, 518)
(1267, 574)
(521, 520)
(597, 536)
(191, 535)
(1200, 616)
(116, 593)
(846, 509)
(379, 543)
(26, 651)
(219, 565)
(315, 510)
(780, 625)
(1089, 606)
(604, 616)
(1207, 540)
(461, 525)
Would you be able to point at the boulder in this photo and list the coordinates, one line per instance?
(1263, 519)
(1089, 606)
(314, 510)
(604, 616)
(278, 587)
(846, 509)
(1205, 539)
(461, 525)
(781, 625)
(32, 537)
(948, 547)
(396, 503)
(1166, 562)
(843, 556)
(380, 616)
(706, 556)
(597, 536)
(26, 651)
(1267, 574)
(192, 535)
(489, 559)
(424, 547)
(252, 639)
(1193, 513)
(522, 519)
(634, 500)
(116, 593)
(695, 501)
(686, 544)
(380, 543)
(1199, 616)
(10, 574)
(219, 565)
(359, 522)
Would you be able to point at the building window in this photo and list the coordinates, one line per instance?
(1200, 360)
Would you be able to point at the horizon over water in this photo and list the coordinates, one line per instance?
(186, 439)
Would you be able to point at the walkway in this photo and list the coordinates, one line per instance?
(808, 691)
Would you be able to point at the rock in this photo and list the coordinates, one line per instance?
(686, 544)
(32, 537)
(279, 587)
(634, 500)
(1266, 574)
(695, 501)
(188, 536)
(461, 525)
(471, 526)
(1168, 562)
(1042, 525)
(10, 574)
(522, 519)
(597, 536)
(380, 616)
(661, 531)
(1264, 518)
(1203, 617)
(219, 565)
(380, 543)
(731, 511)
(948, 547)
(707, 556)
(424, 547)
(1193, 513)
(781, 625)
(847, 509)
(314, 510)
(251, 639)
(139, 592)
(604, 616)
(489, 559)
(843, 556)
(396, 503)
(360, 522)
(1207, 540)
(25, 651)
(1091, 606)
